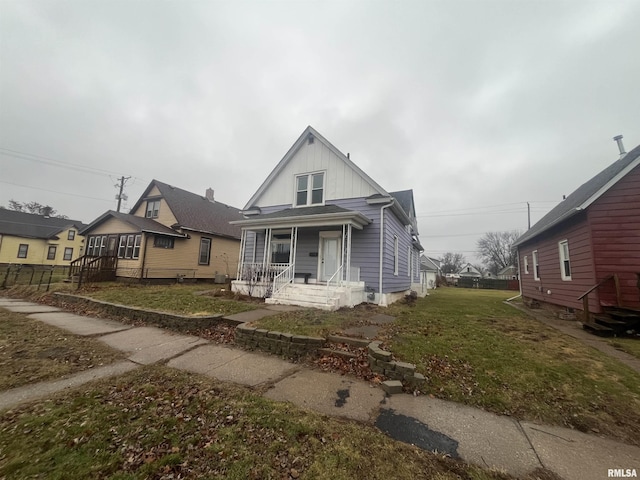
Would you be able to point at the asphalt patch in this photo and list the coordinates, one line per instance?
(414, 432)
(342, 397)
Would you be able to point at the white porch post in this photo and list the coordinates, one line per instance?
(343, 245)
(349, 231)
(243, 239)
(293, 250)
(267, 248)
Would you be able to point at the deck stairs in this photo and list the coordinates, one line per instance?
(316, 296)
(614, 322)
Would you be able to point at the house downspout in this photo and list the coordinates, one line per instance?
(382, 248)
(519, 278)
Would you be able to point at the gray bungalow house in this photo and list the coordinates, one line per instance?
(320, 232)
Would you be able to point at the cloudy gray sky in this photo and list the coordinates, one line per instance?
(479, 106)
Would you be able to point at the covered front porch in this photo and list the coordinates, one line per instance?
(301, 257)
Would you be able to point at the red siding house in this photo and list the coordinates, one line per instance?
(590, 242)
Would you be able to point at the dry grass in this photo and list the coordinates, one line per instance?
(31, 351)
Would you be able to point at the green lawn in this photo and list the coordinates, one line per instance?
(161, 423)
(628, 345)
(181, 299)
(475, 349)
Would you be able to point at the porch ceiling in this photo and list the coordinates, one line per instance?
(319, 216)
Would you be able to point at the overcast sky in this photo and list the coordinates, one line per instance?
(478, 106)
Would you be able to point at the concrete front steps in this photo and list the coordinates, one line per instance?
(318, 296)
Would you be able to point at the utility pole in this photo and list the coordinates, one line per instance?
(528, 215)
(123, 180)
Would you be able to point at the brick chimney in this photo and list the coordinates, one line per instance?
(209, 194)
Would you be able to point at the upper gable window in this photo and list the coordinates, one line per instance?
(153, 207)
(71, 235)
(310, 189)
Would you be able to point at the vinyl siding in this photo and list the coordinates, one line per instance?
(365, 247)
(341, 181)
(38, 249)
(563, 292)
(183, 258)
(165, 215)
(615, 227)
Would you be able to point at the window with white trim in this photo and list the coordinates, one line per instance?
(309, 189)
(395, 255)
(409, 262)
(536, 265)
(526, 264)
(90, 245)
(153, 208)
(565, 263)
(122, 246)
(129, 247)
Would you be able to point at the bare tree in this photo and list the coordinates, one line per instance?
(496, 250)
(452, 262)
(35, 208)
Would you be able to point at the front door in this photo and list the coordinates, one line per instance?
(329, 258)
(111, 248)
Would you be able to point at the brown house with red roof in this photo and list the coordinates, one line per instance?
(585, 253)
(169, 233)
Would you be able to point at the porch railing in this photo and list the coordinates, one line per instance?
(258, 272)
(585, 296)
(282, 279)
(338, 280)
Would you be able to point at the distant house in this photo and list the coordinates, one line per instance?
(508, 273)
(31, 239)
(469, 271)
(320, 232)
(170, 233)
(588, 242)
(429, 272)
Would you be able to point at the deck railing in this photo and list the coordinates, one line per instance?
(285, 277)
(258, 272)
(585, 296)
(337, 277)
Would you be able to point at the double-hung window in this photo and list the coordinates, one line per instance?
(536, 265)
(205, 251)
(526, 264)
(565, 263)
(309, 189)
(51, 253)
(22, 250)
(71, 235)
(153, 208)
(68, 254)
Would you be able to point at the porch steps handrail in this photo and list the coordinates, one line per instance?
(339, 280)
(282, 279)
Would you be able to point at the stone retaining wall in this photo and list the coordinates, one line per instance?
(278, 343)
(171, 321)
(380, 362)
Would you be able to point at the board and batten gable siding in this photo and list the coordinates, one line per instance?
(562, 292)
(183, 258)
(341, 181)
(165, 215)
(615, 231)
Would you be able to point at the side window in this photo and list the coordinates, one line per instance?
(526, 264)
(536, 265)
(205, 251)
(68, 254)
(23, 249)
(565, 263)
(51, 252)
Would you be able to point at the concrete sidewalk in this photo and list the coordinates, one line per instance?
(473, 435)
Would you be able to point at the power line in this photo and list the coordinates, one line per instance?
(55, 191)
(53, 162)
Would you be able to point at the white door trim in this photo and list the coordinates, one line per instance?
(333, 234)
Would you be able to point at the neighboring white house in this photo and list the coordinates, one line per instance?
(429, 272)
(469, 271)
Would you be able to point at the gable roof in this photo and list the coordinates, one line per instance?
(29, 225)
(584, 196)
(195, 212)
(141, 223)
(471, 268)
(427, 264)
(509, 270)
(291, 153)
(405, 199)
